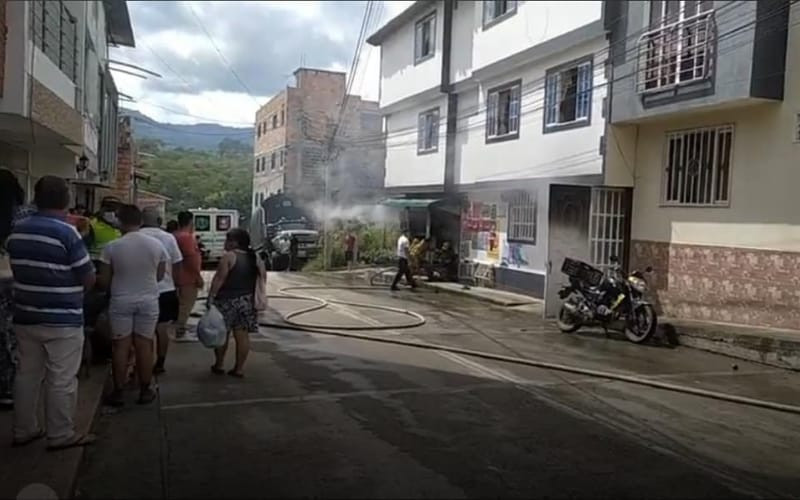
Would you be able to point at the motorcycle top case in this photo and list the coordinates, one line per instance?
(582, 271)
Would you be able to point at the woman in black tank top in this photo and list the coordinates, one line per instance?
(233, 293)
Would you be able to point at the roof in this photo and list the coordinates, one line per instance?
(150, 194)
(409, 202)
(118, 23)
(410, 13)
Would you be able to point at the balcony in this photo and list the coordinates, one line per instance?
(679, 53)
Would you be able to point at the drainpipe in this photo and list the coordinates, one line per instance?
(452, 98)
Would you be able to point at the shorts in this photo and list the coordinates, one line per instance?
(137, 317)
(168, 307)
(239, 313)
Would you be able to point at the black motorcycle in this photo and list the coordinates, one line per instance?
(595, 297)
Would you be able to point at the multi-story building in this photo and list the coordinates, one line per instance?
(495, 117)
(705, 119)
(58, 102)
(293, 133)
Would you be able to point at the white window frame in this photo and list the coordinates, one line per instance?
(523, 213)
(514, 111)
(419, 28)
(428, 131)
(490, 17)
(554, 89)
(685, 181)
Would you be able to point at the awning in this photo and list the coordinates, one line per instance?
(88, 183)
(409, 202)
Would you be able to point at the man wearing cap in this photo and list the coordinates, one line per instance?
(168, 297)
(104, 226)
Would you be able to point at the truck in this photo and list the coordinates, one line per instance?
(211, 225)
(273, 226)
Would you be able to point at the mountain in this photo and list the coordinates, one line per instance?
(200, 136)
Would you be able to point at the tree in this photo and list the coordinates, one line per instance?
(228, 146)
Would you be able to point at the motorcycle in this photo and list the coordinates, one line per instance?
(594, 297)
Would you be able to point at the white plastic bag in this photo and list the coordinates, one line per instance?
(211, 329)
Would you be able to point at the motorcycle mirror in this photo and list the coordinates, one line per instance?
(649, 269)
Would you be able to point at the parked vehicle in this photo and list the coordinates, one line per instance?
(274, 224)
(594, 297)
(211, 225)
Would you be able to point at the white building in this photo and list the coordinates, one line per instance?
(494, 114)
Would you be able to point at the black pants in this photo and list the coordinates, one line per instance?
(403, 270)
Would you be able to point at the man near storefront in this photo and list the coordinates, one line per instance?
(104, 227)
(51, 271)
(168, 304)
(188, 278)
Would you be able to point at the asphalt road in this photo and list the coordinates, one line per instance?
(325, 416)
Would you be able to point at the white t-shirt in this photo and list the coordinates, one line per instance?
(402, 246)
(174, 253)
(134, 260)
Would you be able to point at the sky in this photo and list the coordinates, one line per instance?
(259, 44)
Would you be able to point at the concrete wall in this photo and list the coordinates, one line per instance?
(534, 154)
(404, 167)
(400, 76)
(14, 98)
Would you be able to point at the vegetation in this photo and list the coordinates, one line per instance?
(200, 179)
(375, 244)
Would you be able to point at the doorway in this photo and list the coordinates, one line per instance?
(568, 216)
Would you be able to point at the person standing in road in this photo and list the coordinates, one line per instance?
(188, 279)
(132, 266)
(233, 292)
(350, 242)
(403, 267)
(168, 303)
(51, 269)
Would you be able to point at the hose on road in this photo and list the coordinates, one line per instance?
(348, 331)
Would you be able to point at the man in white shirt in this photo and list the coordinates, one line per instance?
(403, 254)
(133, 265)
(168, 304)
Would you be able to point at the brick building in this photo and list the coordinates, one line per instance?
(293, 132)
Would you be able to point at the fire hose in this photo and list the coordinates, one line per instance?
(348, 331)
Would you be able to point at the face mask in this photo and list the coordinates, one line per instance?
(110, 218)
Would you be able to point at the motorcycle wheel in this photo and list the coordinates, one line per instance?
(642, 325)
(566, 323)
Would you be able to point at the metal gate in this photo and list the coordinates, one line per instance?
(607, 225)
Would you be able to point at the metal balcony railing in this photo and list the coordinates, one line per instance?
(677, 53)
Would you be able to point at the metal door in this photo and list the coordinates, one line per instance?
(568, 236)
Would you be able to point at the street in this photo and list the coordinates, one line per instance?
(320, 415)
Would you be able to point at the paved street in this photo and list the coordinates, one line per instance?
(325, 416)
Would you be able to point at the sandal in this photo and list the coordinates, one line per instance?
(80, 440)
(234, 373)
(23, 442)
(217, 371)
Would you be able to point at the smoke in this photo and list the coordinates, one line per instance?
(377, 214)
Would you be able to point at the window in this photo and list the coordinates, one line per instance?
(678, 47)
(223, 222)
(283, 157)
(258, 130)
(275, 121)
(502, 112)
(428, 133)
(202, 222)
(568, 95)
(283, 116)
(257, 166)
(522, 217)
(494, 10)
(55, 32)
(797, 127)
(698, 166)
(425, 38)
(272, 161)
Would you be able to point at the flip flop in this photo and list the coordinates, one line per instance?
(236, 374)
(79, 441)
(217, 371)
(23, 442)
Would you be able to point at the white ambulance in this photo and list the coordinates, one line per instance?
(211, 225)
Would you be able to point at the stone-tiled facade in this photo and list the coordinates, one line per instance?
(49, 110)
(723, 284)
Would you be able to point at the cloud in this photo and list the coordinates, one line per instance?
(263, 42)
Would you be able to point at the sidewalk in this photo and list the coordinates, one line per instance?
(44, 474)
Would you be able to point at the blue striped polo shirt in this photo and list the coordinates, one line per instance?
(49, 261)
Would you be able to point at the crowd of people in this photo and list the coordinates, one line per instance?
(147, 279)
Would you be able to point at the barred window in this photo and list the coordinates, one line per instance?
(697, 166)
(272, 161)
(425, 38)
(568, 94)
(522, 217)
(503, 110)
(495, 9)
(428, 133)
(55, 32)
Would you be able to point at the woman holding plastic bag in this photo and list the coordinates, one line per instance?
(239, 277)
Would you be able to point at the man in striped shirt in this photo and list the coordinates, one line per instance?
(51, 270)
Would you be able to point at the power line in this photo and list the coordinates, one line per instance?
(167, 127)
(183, 113)
(222, 56)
